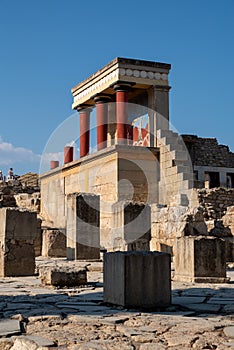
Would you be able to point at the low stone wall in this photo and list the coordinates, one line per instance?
(215, 201)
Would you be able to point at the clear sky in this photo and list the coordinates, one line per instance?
(48, 46)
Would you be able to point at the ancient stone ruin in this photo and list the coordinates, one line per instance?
(153, 185)
(145, 197)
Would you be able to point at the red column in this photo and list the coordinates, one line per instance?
(84, 131)
(54, 164)
(122, 112)
(68, 154)
(102, 120)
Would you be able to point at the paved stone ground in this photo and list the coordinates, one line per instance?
(37, 317)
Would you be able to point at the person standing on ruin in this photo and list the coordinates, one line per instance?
(1, 176)
(10, 175)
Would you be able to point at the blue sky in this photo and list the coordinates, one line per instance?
(48, 46)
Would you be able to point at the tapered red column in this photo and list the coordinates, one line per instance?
(84, 130)
(102, 120)
(68, 154)
(122, 111)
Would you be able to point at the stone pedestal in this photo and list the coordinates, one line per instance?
(83, 226)
(200, 259)
(18, 230)
(138, 279)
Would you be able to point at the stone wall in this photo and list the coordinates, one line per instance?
(215, 202)
(207, 152)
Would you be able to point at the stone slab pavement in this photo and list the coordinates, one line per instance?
(33, 316)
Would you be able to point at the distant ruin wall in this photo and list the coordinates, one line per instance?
(207, 152)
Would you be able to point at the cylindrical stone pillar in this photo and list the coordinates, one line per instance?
(102, 120)
(54, 164)
(68, 154)
(84, 130)
(122, 111)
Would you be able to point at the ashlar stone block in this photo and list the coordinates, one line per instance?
(200, 259)
(139, 279)
(83, 226)
(18, 231)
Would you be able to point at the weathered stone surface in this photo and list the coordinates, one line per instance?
(131, 226)
(30, 201)
(229, 331)
(39, 341)
(17, 233)
(83, 226)
(61, 278)
(137, 279)
(6, 343)
(54, 243)
(200, 259)
(9, 327)
(24, 344)
(173, 222)
(106, 327)
(17, 224)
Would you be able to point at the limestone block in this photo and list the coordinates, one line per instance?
(200, 259)
(131, 226)
(9, 327)
(63, 278)
(18, 224)
(53, 243)
(83, 226)
(17, 258)
(139, 279)
(17, 233)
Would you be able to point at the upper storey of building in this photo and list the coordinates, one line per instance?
(139, 74)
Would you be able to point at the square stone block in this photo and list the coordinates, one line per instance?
(18, 224)
(83, 226)
(18, 231)
(140, 279)
(200, 259)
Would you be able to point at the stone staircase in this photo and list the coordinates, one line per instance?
(176, 168)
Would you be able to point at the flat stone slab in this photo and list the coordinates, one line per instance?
(187, 300)
(220, 301)
(9, 327)
(213, 308)
(229, 331)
